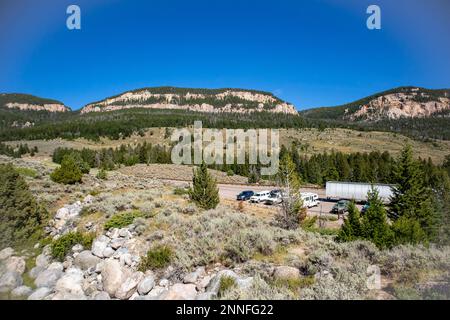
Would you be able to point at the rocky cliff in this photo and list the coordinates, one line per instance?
(201, 100)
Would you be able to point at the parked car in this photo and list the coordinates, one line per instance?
(340, 207)
(260, 196)
(275, 197)
(364, 208)
(244, 195)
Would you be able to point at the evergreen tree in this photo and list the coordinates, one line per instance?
(292, 211)
(21, 216)
(374, 222)
(411, 199)
(68, 173)
(351, 229)
(204, 191)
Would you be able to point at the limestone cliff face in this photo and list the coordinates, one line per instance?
(50, 107)
(226, 100)
(412, 104)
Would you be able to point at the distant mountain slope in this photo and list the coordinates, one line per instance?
(403, 102)
(24, 110)
(201, 100)
(28, 102)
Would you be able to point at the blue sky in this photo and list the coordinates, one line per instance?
(310, 53)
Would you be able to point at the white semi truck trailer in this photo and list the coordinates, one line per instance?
(357, 191)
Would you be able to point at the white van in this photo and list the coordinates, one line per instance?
(260, 196)
(310, 199)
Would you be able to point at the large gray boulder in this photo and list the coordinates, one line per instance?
(102, 295)
(286, 273)
(69, 286)
(146, 284)
(15, 264)
(180, 291)
(40, 294)
(42, 260)
(21, 292)
(10, 280)
(112, 275)
(85, 260)
(34, 272)
(99, 245)
(129, 285)
(48, 277)
(6, 253)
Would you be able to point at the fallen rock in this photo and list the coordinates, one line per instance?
(34, 272)
(180, 291)
(193, 276)
(9, 281)
(286, 273)
(128, 287)
(48, 277)
(85, 260)
(108, 252)
(15, 264)
(111, 276)
(40, 294)
(42, 260)
(6, 253)
(98, 246)
(102, 295)
(146, 285)
(21, 292)
(69, 286)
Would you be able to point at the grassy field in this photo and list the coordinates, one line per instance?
(311, 141)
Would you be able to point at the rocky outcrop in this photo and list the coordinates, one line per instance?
(227, 100)
(50, 107)
(413, 104)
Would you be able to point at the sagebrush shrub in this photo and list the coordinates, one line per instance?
(62, 246)
(156, 258)
(121, 220)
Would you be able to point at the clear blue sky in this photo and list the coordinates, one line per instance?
(311, 53)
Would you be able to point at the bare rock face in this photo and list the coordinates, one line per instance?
(411, 104)
(16, 264)
(237, 101)
(50, 107)
(86, 260)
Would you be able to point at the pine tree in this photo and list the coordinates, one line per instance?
(374, 222)
(68, 173)
(351, 229)
(21, 216)
(204, 191)
(292, 211)
(411, 199)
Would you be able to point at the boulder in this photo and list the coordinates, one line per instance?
(98, 246)
(9, 281)
(6, 253)
(77, 248)
(69, 286)
(180, 291)
(193, 276)
(85, 260)
(40, 294)
(34, 272)
(108, 252)
(126, 259)
(117, 243)
(128, 286)
(112, 275)
(15, 264)
(146, 285)
(203, 283)
(102, 295)
(21, 292)
(48, 277)
(286, 273)
(42, 260)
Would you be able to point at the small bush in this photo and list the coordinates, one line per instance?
(27, 172)
(226, 283)
(102, 174)
(295, 284)
(180, 191)
(230, 173)
(158, 257)
(121, 220)
(68, 173)
(62, 246)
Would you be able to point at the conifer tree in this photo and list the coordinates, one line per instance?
(204, 191)
(68, 173)
(375, 227)
(411, 200)
(351, 229)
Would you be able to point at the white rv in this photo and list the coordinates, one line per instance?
(310, 199)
